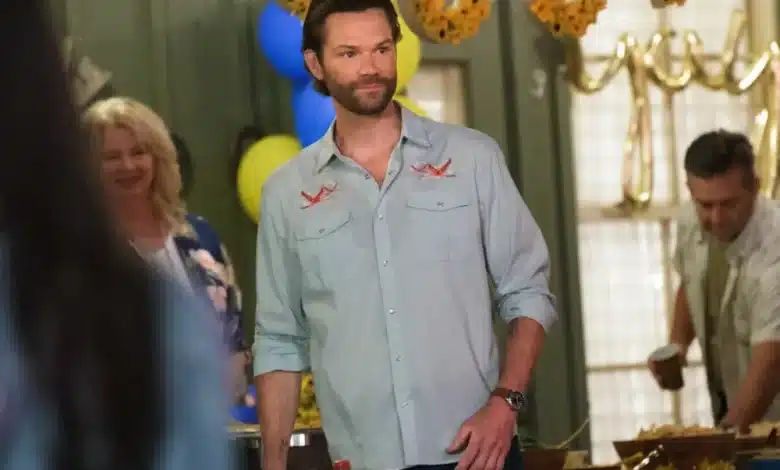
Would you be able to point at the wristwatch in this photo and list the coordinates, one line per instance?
(515, 399)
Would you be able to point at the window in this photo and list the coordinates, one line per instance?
(438, 89)
(627, 281)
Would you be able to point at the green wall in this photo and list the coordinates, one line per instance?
(195, 61)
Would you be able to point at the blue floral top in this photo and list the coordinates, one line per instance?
(210, 270)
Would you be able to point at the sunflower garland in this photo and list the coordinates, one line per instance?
(447, 23)
(296, 7)
(571, 18)
(439, 21)
(574, 17)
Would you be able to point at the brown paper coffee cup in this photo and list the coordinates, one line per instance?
(668, 364)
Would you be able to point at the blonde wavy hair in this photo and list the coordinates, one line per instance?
(153, 136)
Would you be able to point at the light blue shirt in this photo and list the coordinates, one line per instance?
(197, 401)
(384, 291)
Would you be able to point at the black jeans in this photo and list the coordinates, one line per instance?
(513, 461)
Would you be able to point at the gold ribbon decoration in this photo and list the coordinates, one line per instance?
(766, 143)
(637, 165)
(651, 64)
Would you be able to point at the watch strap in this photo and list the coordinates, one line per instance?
(501, 392)
(514, 398)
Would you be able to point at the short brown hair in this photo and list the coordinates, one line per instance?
(320, 10)
(714, 153)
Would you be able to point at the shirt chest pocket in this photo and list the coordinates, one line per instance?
(324, 240)
(442, 226)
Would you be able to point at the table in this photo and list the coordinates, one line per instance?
(308, 450)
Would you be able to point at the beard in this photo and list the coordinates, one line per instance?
(360, 102)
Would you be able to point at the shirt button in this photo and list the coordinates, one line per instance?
(397, 358)
(367, 176)
(384, 263)
(392, 311)
(381, 216)
(403, 405)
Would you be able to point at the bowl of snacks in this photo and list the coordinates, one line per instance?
(616, 466)
(543, 459)
(648, 440)
(691, 452)
(634, 450)
(631, 452)
(762, 436)
(537, 456)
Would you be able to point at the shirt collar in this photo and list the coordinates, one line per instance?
(413, 129)
(750, 238)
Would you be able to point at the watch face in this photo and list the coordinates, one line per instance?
(516, 401)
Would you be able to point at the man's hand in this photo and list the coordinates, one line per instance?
(653, 366)
(486, 437)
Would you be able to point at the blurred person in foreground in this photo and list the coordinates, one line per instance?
(102, 366)
(377, 247)
(140, 174)
(728, 258)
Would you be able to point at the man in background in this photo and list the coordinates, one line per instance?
(728, 258)
(376, 249)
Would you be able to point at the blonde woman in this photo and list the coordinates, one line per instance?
(141, 178)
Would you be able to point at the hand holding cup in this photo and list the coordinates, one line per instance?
(666, 364)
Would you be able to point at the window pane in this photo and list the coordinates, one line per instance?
(621, 403)
(622, 281)
(694, 398)
(439, 90)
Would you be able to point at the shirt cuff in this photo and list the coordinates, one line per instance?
(765, 336)
(538, 308)
(274, 355)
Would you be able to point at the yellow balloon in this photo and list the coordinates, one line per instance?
(408, 53)
(410, 105)
(257, 164)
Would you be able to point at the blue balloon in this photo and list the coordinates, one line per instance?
(243, 413)
(313, 113)
(280, 36)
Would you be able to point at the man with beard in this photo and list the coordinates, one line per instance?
(728, 258)
(376, 250)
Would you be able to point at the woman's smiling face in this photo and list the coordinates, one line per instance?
(127, 167)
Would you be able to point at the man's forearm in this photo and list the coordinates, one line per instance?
(682, 332)
(526, 337)
(278, 395)
(759, 387)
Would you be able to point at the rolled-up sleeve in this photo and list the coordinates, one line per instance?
(686, 223)
(281, 333)
(516, 252)
(765, 317)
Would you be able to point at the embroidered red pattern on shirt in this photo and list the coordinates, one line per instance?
(314, 199)
(433, 171)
